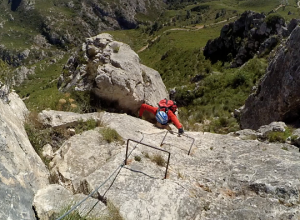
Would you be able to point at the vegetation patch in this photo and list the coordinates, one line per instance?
(158, 159)
(113, 213)
(170, 41)
(6, 76)
(111, 135)
(277, 136)
(137, 158)
(39, 135)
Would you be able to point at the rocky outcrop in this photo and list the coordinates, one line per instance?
(253, 33)
(61, 119)
(83, 19)
(277, 96)
(22, 171)
(114, 75)
(225, 175)
(92, 17)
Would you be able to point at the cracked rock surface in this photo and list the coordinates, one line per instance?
(224, 177)
(277, 96)
(22, 172)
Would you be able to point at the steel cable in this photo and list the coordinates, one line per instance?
(118, 169)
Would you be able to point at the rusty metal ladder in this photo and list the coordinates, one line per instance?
(160, 149)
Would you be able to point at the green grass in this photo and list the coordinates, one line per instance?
(176, 54)
(40, 90)
(113, 213)
(39, 135)
(6, 77)
(135, 38)
(277, 136)
(218, 95)
(137, 158)
(87, 125)
(158, 159)
(15, 36)
(111, 135)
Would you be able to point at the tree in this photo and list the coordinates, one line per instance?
(188, 14)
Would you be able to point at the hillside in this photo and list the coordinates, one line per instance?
(60, 25)
(73, 75)
(174, 35)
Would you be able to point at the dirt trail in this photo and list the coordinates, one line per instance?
(275, 9)
(196, 28)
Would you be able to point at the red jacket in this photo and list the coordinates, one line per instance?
(172, 117)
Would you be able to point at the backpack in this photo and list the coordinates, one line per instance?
(165, 105)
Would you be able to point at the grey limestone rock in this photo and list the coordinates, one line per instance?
(223, 177)
(22, 171)
(277, 96)
(59, 199)
(114, 74)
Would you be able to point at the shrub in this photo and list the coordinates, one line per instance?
(6, 75)
(238, 80)
(116, 48)
(110, 135)
(87, 125)
(71, 216)
(273, 19)
(40, 135)
(37, 133)
(113, 214)
(137, 158)
(159, 160)
(82, 100)
(277, 136)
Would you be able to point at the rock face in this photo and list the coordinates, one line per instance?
(224, 175)
(92, 16)
(277, 96)
(56, 197)
(114, 75)
(22, 171)
(82, 18)
(252, 33)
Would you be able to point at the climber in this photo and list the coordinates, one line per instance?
(164, 113)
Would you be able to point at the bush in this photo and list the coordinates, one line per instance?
(6, 75)
(110, 135)
(273, 19)
(87, 125)
(113, 214)
(40, 135)
(277, 136)
(137, 158)
(159, 160)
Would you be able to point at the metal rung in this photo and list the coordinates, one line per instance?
(147, 145)
(179, 136)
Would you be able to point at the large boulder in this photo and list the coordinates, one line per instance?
(23, 172)
(277, 96)
(112, 71)
(223, 176)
